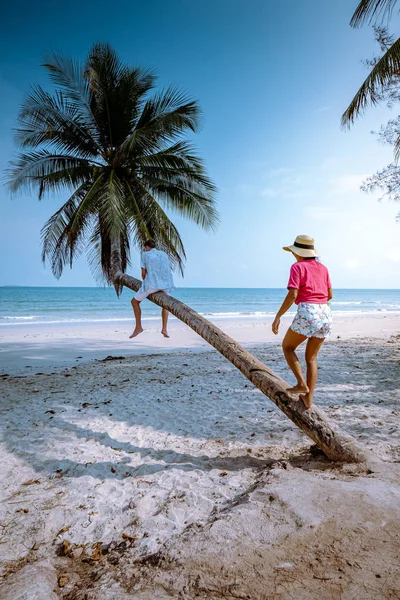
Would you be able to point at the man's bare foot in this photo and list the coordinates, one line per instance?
(307, 400)
(165, 333)
(298, 389)
(136, 332)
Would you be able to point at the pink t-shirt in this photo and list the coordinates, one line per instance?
(312, 280)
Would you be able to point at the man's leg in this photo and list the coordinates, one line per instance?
(164, 317)
(313, 347)
(289, 345)
(138, 316)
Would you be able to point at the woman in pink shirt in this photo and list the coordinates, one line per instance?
(310, 288)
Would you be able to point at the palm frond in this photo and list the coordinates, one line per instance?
(372, 10)
(55, 242)
(158, 225)
(383, 72)
(186, 198)
(181, 155)
(117, 93)
(88, 206)
(111, 206)
(167, 116)
(186, 173)
(45, 170)
(99, 253)
(56, 121)
(69, 74)
(140, 228)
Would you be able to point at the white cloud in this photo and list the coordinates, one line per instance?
(285, 183)
(352, 263)
(393, 256)
(245, 188)
(321, 213)
(346, 185)
(329, 163)
(280, 172)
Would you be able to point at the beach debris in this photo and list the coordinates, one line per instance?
(23, 510)
(67, 549)
(108, 358)
(31, 482)
(285, 565)
(63, 580)
(105, 548)
(113, 470)
(63, 530)
(67, 374)
(36, 546)
(77, 552)
(64, 548)
(129, 538)
(51, 411)
(97, 553)
(223, 474)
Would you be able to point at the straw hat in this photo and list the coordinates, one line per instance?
(303, 246)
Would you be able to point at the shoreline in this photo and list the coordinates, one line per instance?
(45, 347)
(213, 317)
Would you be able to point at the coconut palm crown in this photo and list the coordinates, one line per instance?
(384, 70)
(120, 153)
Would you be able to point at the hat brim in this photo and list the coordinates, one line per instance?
(303, 252)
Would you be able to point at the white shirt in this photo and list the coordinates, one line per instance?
(158, 271)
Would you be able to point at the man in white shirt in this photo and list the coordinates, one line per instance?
(156, 276)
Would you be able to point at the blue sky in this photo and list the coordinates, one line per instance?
(273, 79)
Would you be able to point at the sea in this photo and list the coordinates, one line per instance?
(27, 306)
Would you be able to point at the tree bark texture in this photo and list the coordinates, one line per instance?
(337, 446)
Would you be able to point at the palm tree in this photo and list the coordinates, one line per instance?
(384, 70)
(123, 156)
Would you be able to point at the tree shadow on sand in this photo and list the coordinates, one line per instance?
(233, 411)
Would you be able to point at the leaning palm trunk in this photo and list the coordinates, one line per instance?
(335, 444)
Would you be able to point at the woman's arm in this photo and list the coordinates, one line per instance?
(330, 295)
(286, 304)
(144, 273)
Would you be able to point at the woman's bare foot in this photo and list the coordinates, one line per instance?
(298, 389)
(136, 332)
(165, 333)
(307, 400)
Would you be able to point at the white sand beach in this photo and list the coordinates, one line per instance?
(43, 347)
(165, 474)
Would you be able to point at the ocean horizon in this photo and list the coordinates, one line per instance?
(23, 305)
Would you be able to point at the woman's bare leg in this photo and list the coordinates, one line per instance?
(289, 345)
(312, 349)
(138, 316)
(164, 318)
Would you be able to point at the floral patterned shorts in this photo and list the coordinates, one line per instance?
(313, 320)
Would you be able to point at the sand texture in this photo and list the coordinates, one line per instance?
(170, 476)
